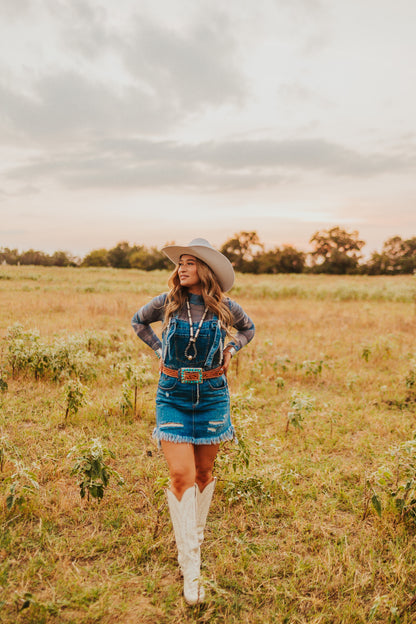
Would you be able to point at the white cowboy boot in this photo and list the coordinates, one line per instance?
(203, 502)
(183, 514)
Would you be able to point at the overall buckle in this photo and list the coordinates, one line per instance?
(190, 375)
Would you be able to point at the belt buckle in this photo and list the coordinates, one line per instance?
(195, 375)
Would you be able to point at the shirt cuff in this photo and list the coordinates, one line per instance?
(231, 349)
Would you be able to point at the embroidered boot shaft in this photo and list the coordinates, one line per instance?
(203, 502)
(183, 515)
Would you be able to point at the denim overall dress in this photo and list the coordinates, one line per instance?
(198, 413)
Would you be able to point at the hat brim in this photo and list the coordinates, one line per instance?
(217, 262)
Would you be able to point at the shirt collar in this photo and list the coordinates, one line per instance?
(196, 299)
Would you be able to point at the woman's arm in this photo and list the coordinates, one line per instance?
(150, 313)
(244, 326)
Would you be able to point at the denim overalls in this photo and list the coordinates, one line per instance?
(198, 413)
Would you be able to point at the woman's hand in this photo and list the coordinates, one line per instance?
(226, 361)
(159, 355)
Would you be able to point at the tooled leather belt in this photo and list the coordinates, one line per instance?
(192, 375)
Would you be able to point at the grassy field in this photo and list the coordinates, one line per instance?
(324, 403)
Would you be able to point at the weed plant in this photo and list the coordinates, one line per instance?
(293, 535)
(91, 469)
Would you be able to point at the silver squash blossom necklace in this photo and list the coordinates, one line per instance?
(192, 340)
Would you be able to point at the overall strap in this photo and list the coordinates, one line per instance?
(216, 342)
(167, 336)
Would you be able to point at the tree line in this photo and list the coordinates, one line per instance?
(334, 251)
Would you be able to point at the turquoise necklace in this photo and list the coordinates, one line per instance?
(192, 340)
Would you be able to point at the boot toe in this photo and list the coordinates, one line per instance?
(193, 592)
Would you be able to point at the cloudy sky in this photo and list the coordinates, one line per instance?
(160, 120)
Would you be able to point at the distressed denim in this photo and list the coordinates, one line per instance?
(194, 413)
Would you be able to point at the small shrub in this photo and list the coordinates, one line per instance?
(7, 451)
(3, 454)
(281, 364)
(25, 353)
(74, 356)
(236, 459)
(23, 482)
(243, 403)
(410, 382)
(251, 491)
(70, 357)
(366, 352)
(126, 401)
(300, 405)
(92, 470)
(75, 397)
(242, 456)
(411, 378)
(395, 483)
(136, 377)
(312, 367)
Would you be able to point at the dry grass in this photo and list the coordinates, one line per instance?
(286, 540)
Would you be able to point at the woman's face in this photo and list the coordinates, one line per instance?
(188, 274)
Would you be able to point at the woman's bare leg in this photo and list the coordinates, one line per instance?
(180, 458)
(189, 464)
(205, 455)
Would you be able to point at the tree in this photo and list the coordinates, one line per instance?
(336, 251)
(9, 256)
(397, 256)
(34, 257)
(96, 258)
(281, 260)
(242, 250)
(63, 259)
(409, 256)
(149, 259)
(291, 260)
(119, 256)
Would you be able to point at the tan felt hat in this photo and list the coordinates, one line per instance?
(203, 250)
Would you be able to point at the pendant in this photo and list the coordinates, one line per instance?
(187, 354)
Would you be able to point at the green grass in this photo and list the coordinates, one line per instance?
(288, 539)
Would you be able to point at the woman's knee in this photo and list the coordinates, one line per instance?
(181, 479)
(204, 463)
(203, 477)
(181, 462)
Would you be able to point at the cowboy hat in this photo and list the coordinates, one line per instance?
(203, 250)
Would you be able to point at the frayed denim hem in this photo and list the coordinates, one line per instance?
(227, 436)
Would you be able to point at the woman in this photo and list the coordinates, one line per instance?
(192, 400)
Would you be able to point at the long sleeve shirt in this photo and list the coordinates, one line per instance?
(155, 311)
